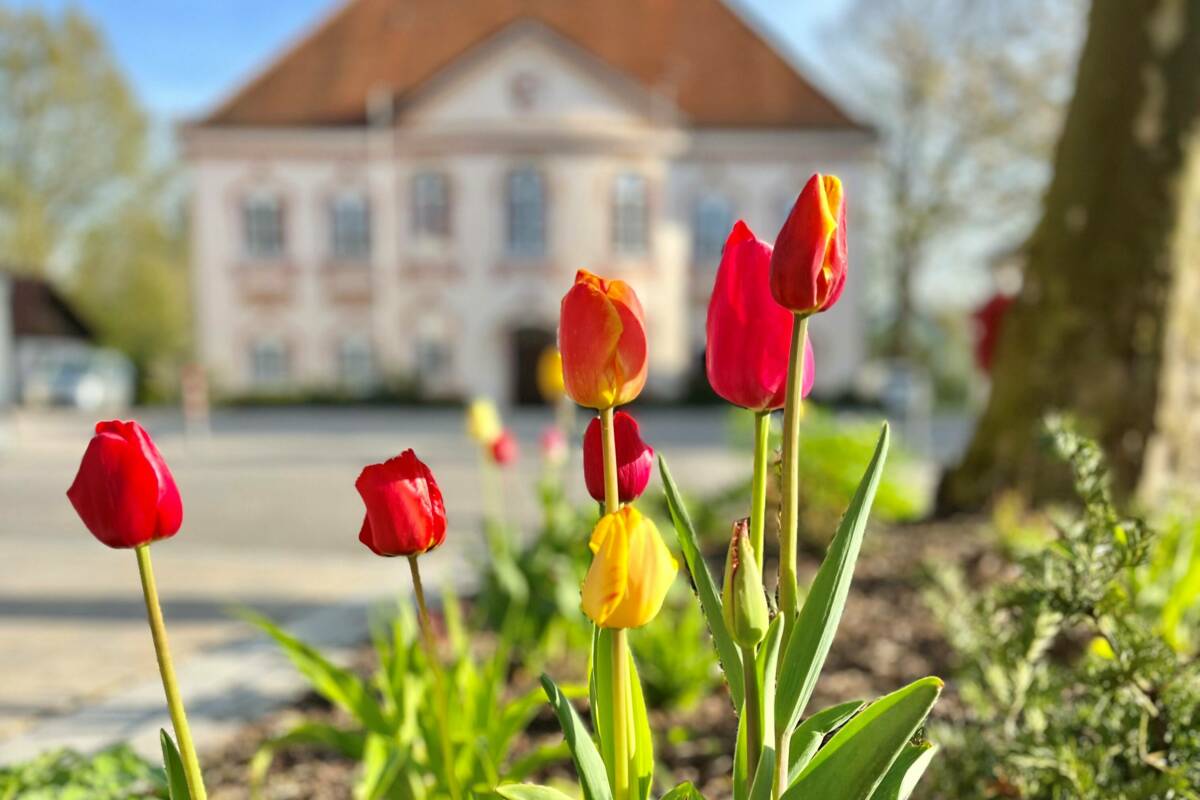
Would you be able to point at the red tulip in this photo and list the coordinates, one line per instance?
(123, 491)
(808, 268)
(553, 445)
(405, 513)
(602, 336)
(504, 448)
(749, 335)
(635, 459)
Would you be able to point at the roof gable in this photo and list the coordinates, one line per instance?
(698, 54)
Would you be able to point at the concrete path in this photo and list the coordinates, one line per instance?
(271, 522)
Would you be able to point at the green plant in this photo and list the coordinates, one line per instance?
(117, 773)
(393, 728)
(677, 662)
(1068, 692)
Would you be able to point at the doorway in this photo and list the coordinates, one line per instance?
(528, 345)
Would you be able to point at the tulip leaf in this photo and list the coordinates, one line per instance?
(641, 770)
(906, 773)
(808, 737)
(764, 776)
(813, 632)
(684, 791)
(858, 757)
(600, 693)
(530, 791)
(706, 589)
(339, 686)
(177, 787)
(741, 761)
(592, 776)
(768, 668)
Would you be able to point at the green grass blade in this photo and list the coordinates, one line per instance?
(177, 788)
(805, 651)
(530, 791)
(906, 773)
(855, 761)
(706, 589)
(592, 776)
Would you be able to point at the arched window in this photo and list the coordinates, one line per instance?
(262, 226)
(630, 215)
(712, 220)
(526, 209)
(430, 206)
(350, 227)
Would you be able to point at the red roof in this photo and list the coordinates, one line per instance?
(717, 70)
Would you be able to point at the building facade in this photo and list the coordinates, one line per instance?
(407, 193)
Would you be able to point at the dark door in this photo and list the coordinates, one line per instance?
(528, 346)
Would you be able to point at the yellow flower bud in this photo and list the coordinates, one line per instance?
(631, 571)
(745, 604)
(483, 422)
(550, 375)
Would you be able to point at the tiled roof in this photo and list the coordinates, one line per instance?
(700, 53)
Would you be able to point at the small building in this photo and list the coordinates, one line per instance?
(408, 191)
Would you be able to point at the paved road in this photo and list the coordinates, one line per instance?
(271, 519)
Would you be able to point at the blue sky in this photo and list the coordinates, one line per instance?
(183, 56)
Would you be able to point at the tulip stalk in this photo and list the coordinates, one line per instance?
(166, 668)
(789, 590)
(620, 648)
(758, 491)
(435, 666)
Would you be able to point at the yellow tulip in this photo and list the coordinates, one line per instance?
(631, 571)
(550, 375)
(483, 422)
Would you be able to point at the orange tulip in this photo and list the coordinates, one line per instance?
(602, 337)
(808, 266)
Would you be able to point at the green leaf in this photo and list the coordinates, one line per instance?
(854, 762)
(764, 776)
(530, 791)
(588, 764)
(641, 771)
(741, 761)
(340, 686)
(813, 632)
(177, 788)
(906, 773)
(684, 791)
(768, 668)
(600, 693)
(706, 589)
(808, 737)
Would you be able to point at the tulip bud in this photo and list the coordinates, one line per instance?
(483, 422)
(554, 446)
(808, 266)
(745, 604)
(748, 334)
(631, 571)
(505, 449)
(405, 513)
(602, 337)
(635, 459)
(550, 375)
(123, 491)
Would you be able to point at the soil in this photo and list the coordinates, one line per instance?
(887, 638)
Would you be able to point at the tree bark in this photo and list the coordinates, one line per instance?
(1086, 335)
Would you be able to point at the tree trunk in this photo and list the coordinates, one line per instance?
(1089, 331)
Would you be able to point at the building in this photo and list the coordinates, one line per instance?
(409, 189)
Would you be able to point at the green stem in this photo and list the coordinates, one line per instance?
(752, 708)
(608, 441)
(435, 666)
(158, 631)
(622, 697)
(758, 491)
(783, 742)
(789, 592)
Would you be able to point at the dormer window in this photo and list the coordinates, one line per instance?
(430, 206)
(350, 228)
(712, 220)
(525, 205)
(630, 215)
(262, 227)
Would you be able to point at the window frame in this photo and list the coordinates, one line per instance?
(430, 216)
(362, 232)
(631, 214)
(708, 240)
(252, 209)
(526, 218)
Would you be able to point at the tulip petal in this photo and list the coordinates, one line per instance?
(607, 579)
(651, 570)
(116, 492)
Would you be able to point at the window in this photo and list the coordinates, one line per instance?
(630, 215)
(356, 363)
(526, 207)
(269, 363)
(262, 227)
(711, 223)
(350, 227)
(430, 206)
(433, 354)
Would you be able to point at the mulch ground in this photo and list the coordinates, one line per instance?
(887, 639)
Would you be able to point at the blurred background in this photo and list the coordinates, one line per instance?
(293, 238)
